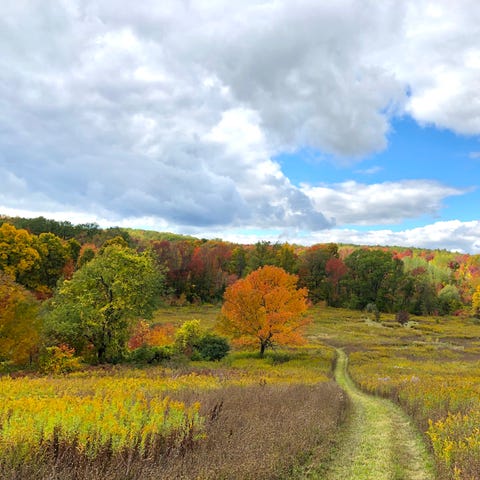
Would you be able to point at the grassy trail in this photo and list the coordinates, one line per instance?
(379, 442)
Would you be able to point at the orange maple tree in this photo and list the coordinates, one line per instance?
(265, 308)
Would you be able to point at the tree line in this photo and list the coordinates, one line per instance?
(85, 281)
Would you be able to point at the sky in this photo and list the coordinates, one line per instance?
(352, 121)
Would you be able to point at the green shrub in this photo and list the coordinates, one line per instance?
(212, 347)
(147, 354)
(197, 344)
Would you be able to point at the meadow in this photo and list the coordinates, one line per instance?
(245, 417)
(242, 418)
(431, 367)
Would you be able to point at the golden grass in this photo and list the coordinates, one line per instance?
(244, 417)
(431, 367)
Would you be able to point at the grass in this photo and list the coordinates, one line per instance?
(244, 417)
(274, 417)
(430, 367)
(378, 441)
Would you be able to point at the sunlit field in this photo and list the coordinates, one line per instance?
(431, 367)
(244, 417)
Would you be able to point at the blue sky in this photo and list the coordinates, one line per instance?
(344, 121)
(413, 152)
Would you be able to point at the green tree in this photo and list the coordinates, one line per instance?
(99, 305)
(286, 258)
(238, 261)
(449, 299)
(54, 254)
(263, 253)
(312, 270)
(373, 277)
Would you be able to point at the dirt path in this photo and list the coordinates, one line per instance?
(378, 442)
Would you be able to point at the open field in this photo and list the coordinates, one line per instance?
(431, 367)
(241, 418)
(246, 417)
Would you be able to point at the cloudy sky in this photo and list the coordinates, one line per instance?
(306, 121)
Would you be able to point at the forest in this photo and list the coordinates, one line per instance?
(40, 257)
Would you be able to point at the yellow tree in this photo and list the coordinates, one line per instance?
(265, 308)
(476, 302)
(19, 323)
(18, 256)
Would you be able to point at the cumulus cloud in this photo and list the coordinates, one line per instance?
(440, 60)
(382, 203)
(173, 110)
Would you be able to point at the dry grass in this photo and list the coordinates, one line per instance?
(253, 432)
(430, 367)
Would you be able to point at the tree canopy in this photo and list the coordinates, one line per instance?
(266, 307)
(19, 323)
(98, 306)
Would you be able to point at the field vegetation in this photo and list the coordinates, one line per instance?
(430, 366)
(243, 417)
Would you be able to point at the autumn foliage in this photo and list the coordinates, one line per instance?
(265, 308)
(19, 328)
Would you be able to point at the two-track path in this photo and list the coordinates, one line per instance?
(378, 441)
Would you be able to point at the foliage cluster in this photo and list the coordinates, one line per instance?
(418, 281)
(71, 262)
(266, 307)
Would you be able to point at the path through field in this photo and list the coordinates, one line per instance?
(379, 442)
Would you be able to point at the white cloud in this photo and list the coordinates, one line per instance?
(439, 58)
(451, 235)
(381, 203)
(370, 171)
(173, 111)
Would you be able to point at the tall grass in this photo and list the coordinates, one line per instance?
(431, 368)
(242, 418)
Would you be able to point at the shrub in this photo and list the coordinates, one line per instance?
(146, 354)
(402, 317)
(196, 344)
(212, 347)
(59, 359)
(188, 337)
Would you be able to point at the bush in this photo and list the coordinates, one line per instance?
(196, 344)
(402, 317)
(212, 347)
(146, 354)
(59, 359)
